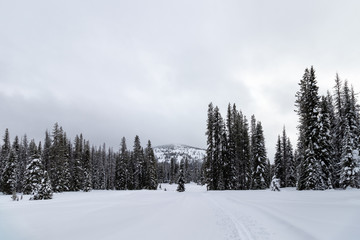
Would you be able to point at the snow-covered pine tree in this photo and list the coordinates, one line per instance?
(230, 168)
(4, 157)
(152, 181)
(259, 159)
(208, 164)
(45, 190)
(121, 177)
(181, 180)
(349, 165)
(218, 163)
(23, 161)
(309, 175)
(77, 168)
(87, 180)
(326, 149)
(278, 163)
(9, 174)
(307, 103)
(137, 159)
(291, 166)
(33, 175)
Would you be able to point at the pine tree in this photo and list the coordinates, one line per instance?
(33, 175)
(87, 182)
(137, 161)
(259, 159)
(210, 149)
(152, 170)
(325, 140)
(4, 158)
(291, 166)
(309, 178)
(23, 161)
(121, 172)
(307, 103)
(230, 167)
(9, 174)
(45, 190)
(78, 171)
(181, 181)
(349, 165)
(278, 163)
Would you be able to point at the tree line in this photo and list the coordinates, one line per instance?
(236, 155)
(61, 165)
(327, 152)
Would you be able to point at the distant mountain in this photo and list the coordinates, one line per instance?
(178, 151)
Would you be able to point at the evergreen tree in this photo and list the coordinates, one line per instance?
(152, 182)
(87, 182)
(291, 166)
(122, 167)
(325, 140)
(45, 190)
(307, 103)
(137, 161)
(9, 174)
(210, 149)
(278, 163)
(259, 159)
(34, 175)
(181, 180)
(349, 164)
(309, 177)
(230, 167)
(78, 171)
(4, 157)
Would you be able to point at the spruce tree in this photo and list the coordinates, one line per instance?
(121, 175)
(33, 175)
(87, 180)
(325, 144)
(210, 149)
(181, 180)
(9, 174)
(291, 166)
(45, 190)
(4, 157)
(307, 103)
(278, 163)
(349, 164)
(259, 159)
(152, 169)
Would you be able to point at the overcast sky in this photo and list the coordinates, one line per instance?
(115, 68)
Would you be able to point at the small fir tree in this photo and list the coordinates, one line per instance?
(181, 180)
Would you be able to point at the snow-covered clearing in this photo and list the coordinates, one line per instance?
(195, 214)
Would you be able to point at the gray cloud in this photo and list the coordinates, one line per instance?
(119, 68)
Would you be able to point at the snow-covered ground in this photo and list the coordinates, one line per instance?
(195, 214)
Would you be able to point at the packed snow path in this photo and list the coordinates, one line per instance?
(195, 214)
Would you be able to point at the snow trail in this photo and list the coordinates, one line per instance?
(195, 214)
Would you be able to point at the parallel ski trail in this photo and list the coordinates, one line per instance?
(243, 233)
(300, 232)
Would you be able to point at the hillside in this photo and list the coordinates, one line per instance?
(178, 151)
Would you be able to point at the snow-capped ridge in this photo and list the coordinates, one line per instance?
(178, 152)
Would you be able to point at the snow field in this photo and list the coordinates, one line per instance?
(194, 214)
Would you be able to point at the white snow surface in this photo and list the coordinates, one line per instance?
(194, 214)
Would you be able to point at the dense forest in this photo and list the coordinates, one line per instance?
(63, 165)
(327, 153)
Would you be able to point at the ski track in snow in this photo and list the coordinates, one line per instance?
(275, 216)
(242, 232)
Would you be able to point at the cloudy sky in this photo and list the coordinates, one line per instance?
(116, 68)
